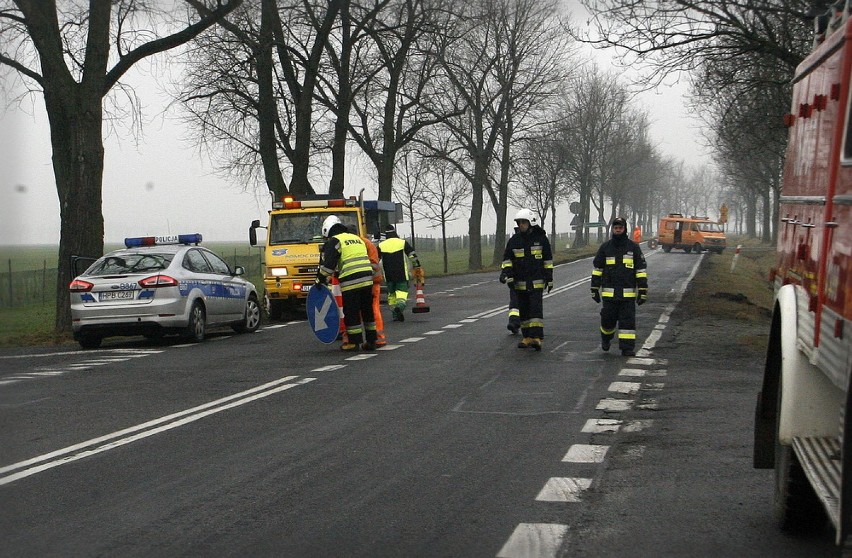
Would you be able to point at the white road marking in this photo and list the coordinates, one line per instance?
(597, 426)
(563, 489)
(628, 388)
(67, 455)
(412, 339)
(614, 405)
(453, 326)
(389, 347)
(534, 540)
(433, 332)
(363, 356)
(468, 321)
(586, 453)
(329, 368)
(634, 372)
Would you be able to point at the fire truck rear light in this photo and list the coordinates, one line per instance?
(78, 286)
(158, 281)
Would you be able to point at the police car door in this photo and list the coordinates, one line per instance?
(204, 280)
(230, 291)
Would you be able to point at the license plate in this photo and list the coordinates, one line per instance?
(306, 288)
(117, 295)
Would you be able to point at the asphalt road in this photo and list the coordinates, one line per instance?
(449, 442)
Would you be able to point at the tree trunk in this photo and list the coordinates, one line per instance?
(267, 111)
(474, 223)
(78, 161)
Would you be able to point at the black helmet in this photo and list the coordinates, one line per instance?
(619, 221)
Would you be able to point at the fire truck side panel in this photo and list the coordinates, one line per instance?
(812, 321)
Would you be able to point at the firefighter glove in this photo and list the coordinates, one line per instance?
(642, 300)
(550, 286)
(321, 280)
(596, 296)
(504, 276)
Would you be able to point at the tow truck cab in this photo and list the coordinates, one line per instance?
(294, 237)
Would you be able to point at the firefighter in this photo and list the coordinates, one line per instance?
(528, 269)
(637, 234)
(620, 280)
(514, 324)
(393, 251)
(346, 254)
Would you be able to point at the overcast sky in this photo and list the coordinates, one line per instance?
(163, 186)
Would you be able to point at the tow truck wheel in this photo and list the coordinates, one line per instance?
(667, 248)
(687, 249)
(251, 320)
(197, 326)
(274, 308)
(696, 248)
(797, 507)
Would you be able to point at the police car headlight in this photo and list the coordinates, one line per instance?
(278, 271)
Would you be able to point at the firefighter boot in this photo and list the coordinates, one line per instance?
(513, 326)
(535, 343)
(524, 343)
(605, 344)
(349, 347)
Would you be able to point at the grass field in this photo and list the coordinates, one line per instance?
(744, 292)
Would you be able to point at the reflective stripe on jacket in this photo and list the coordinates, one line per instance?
(347, 254)
(620, 271)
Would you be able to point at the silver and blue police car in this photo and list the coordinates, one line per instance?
(161, 285)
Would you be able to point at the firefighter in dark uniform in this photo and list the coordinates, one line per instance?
(528, 269)
(620, 280)
(346, 254)
(514, 324)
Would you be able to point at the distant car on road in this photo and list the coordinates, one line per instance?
(160, 285)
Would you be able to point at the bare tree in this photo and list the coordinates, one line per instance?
(677, 35)
(65, 51)
(591, 109)
(444, 193)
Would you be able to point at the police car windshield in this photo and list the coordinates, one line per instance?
(290, 228)
(125, 263)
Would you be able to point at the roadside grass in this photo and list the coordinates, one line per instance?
(744, 294)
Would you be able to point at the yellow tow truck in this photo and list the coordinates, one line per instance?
(293, 240)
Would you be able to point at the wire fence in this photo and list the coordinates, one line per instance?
(23, 287)
(22, 284)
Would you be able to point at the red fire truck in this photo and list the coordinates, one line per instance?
(803, 419)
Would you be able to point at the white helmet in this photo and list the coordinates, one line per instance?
(329, 222)
(526, 215)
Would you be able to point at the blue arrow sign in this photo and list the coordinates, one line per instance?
(323, 314)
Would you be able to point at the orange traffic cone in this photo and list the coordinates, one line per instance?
(420, 306)
(338, 298)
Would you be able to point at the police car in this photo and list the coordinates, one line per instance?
(160, 285)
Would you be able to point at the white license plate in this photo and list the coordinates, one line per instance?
(306, 288)
(117, 295)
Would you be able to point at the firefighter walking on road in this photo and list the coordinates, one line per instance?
(620, 281)
(393, 252)
(346, 255)
(528, 269)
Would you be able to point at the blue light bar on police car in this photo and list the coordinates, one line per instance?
(136, 242)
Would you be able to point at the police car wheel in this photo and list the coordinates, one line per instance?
(90, 341)
(196, 328)
(251, 321)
